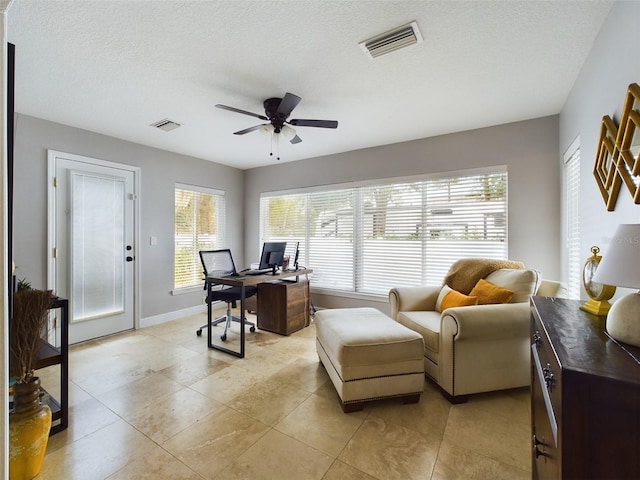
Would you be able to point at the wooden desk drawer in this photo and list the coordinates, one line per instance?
(283, 306)
(296, 292)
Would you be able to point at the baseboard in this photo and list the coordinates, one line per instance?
(170, 316)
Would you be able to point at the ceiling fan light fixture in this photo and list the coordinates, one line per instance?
(266, 129)
(287, 132)
(277, 112)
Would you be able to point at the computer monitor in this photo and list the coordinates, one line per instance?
(272, 255)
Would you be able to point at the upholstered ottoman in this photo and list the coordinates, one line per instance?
(369, 356)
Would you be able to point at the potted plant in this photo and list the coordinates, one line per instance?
(24, 284)
(29, 420)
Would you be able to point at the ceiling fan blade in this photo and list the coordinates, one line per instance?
(314, 123)
(247, 130)
(295, 139)
(288, 103)
(244, 112)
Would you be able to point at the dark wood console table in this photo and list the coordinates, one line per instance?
(585, 396)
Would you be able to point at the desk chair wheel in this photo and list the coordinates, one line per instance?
(199, 332)
(223, 337)
(252, 329)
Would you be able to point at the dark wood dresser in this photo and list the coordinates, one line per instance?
(585, 396)
(283, 306)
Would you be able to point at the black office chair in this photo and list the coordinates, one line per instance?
(219, 263)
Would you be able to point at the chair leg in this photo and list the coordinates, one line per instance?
(214, 322)
(227, 319)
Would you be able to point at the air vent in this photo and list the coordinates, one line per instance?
(166, 125)
(393, 40)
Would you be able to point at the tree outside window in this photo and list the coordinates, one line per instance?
(199, 225)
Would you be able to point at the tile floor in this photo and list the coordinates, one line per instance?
(158, 404)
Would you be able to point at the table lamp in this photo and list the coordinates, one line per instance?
(620, 266)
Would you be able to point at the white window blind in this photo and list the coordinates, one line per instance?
(199, 225)
(367, 239)
(97, 242)
(572, 220)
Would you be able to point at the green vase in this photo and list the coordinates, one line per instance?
(29, 426)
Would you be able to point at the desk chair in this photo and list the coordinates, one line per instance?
(218, 263)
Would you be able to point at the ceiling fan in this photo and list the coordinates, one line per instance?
(277, 111)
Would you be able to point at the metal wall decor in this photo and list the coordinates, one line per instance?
(618, 153)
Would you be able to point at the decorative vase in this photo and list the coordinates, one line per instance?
(29, 426)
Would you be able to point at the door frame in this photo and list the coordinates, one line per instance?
(51, 212)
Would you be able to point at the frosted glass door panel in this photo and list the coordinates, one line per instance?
(97, 246)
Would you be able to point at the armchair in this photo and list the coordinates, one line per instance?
(479, 348)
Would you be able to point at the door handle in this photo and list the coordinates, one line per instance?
(537, 339)
(549, 377)
(536, 451)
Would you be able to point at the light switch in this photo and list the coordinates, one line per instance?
(153, 240)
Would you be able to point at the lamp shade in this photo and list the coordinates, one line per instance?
(266, 129)
(288, 132)
(620, 264)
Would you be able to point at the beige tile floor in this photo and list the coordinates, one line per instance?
(158, 404)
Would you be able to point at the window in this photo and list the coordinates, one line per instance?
(369, 238)
(199, 225)
(573, 261)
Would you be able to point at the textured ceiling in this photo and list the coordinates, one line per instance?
(115, 67)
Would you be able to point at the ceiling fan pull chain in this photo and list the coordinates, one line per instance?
(271, 145)
(277, 135)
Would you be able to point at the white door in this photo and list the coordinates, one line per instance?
(93, 244)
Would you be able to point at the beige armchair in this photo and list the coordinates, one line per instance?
(478, 348)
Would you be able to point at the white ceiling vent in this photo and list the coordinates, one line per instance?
(166, 125)
(392, 40)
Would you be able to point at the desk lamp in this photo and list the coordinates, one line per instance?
(620, 266)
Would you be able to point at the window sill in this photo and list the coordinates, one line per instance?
(186, 290)
(353, 295)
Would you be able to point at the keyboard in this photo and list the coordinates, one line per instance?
(255, 272)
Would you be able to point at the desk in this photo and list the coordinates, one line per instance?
(242, 281)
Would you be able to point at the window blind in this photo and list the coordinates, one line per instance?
(572, 221)
(367, 239)
(199, 225)
(97, 242)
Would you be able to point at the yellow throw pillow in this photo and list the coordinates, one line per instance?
(443, 293)
(457, 299)
(489, 293)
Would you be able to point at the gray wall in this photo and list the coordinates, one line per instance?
(613, 63)
(528, 148)
(159, 172)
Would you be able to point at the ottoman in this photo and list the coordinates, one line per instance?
(369, 356)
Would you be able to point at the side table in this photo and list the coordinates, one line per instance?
(49, 355)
